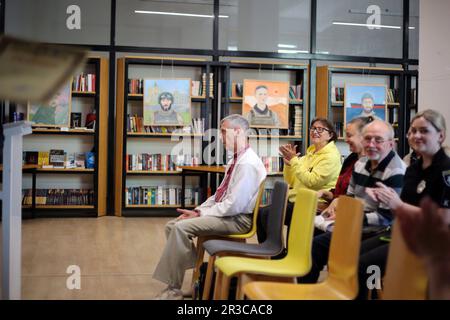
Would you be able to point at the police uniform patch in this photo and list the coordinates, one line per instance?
(446, 176)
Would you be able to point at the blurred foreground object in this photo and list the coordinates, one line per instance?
(33, 71)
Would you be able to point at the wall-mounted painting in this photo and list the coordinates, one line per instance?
(56, 113)
(363, 100)
(167, 102)
(266, 103)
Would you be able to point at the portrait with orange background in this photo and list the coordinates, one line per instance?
(277, 100)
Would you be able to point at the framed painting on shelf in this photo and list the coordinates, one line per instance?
(167, 102)
(266, 103)
(363, 100)
(55, 113)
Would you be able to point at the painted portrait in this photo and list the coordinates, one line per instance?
(266, 103)
(55, 113)
(167, 102)
(363, 100)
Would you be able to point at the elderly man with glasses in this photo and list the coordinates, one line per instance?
(380, 164)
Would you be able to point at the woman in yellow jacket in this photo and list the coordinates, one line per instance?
(317, 170)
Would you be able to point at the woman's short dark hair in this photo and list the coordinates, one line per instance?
(327, 124)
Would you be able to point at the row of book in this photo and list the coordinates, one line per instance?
(266, 198)
(393, 95)
(161, 195)
(272, 164)
(158, 162)
(70, 197)
(198, 87)
(337, 94)
(84, 82)
(339, 128)
(56, 158)
(295, 92)
(298, 120)
(136, 124)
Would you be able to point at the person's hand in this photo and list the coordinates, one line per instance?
(329, 213)
(325, 194)
(388, 196)
(426, 232)
(187, 214)
(288, 152)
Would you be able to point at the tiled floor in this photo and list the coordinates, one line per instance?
(116, 257)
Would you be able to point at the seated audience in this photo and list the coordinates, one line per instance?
(380, 163)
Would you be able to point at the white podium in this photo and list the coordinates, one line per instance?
(11, 196)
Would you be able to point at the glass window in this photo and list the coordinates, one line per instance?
(346, 27)
(60, 21)
(265, 25)
(414, 29)
(168, 24)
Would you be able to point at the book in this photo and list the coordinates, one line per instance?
(43, 159)
(80, 160)
(57, 158)
(75, 119)
(70, 161)
(90, 160)
(31, 157)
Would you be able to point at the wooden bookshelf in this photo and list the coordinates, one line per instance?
(83, 94)
(59, 131)
(163, 135)
(98, 137)
(45, 206)
(296, 138)
(150, 172)
(239, 100)
(140, 96)
(125, 101)
(65, 170)
(153, 206)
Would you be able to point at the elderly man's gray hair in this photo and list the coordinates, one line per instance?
(236, 120)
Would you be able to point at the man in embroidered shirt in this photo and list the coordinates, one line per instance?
(228, 211)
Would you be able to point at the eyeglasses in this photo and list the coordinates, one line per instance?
(377, 140)
(318, 129)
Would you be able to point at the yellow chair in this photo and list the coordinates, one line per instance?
(296, 263)
(405, 277)
(342, 280)
(236, 237)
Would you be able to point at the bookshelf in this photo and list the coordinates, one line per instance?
(267, 141)
(71, 140)
(331, 81)
(145, 160)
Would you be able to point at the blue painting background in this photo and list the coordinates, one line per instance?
(353, 94)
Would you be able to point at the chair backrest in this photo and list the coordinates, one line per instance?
(276, 215)
(252, 230)
(345, 245)
(302, 227)
(405, 277)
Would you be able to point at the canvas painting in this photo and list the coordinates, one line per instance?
(167, 102)
(363, 100)
(56, 113)
(266, 103)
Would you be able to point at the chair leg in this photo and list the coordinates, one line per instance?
(217, 285)
(198, 263)
(208, 278)
(225, 287)
(239, 291)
